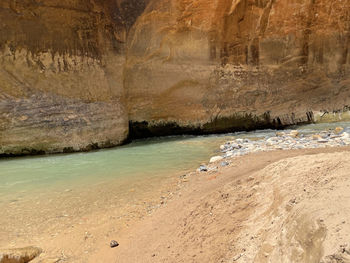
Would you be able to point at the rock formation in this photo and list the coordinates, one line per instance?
(74, 73)
(223, 64)
(61, 64)
(19, 255)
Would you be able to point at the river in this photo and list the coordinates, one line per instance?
(39, 195)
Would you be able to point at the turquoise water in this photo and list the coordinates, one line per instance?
(146, 158)
(150, 158)
(42, 195)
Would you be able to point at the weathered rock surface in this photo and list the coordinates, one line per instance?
(19, 255)
(223, 64)
(73, 73)
(61, 84)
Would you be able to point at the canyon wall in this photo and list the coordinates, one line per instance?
(61, 83)
(75, 73)
(215, 65)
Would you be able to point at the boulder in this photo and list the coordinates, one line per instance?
(19, 255)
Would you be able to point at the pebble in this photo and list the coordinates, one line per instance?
(224, 164)
(113, 244)
(294, 133)
(203, 168)
(338, 130)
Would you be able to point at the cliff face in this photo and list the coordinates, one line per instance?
(218, 64)
(61, 64)
(74, 72)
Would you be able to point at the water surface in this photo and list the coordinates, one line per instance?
(156, 157)
(41, 194)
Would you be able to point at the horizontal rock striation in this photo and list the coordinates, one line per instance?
(61, 83)
(74, 74)
(196, 62)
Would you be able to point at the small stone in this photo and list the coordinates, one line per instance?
(203, 168)
(237, 257)
(345, 135)
(235, 146)
(294, 133)
(316, 137)
(215, 159)
(224, 164)
(229, 154)
(113, 244)
(338, 130)
(322, 141)
(280, 134)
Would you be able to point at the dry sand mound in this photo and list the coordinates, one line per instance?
(296, 209)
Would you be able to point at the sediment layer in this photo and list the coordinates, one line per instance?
(166, 67)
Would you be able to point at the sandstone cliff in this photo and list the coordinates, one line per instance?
(222, 64)
(61, 65)
(73, 73)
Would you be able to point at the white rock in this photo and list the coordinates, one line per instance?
(345, 135)
(322, 141)
(294, 133)
(235, 146)
(229, 153)
(215, 159)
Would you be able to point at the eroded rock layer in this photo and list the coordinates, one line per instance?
(74, 73)
(270, 62)
(61, 84)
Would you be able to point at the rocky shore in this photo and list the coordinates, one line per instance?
(244, 198)
(291, 140)
(280, 206)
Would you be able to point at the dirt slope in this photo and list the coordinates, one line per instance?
(277, 207)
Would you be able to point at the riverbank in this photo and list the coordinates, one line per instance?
(198, 213)
(289, 206)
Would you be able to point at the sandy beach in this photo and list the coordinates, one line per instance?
(290, 206)
(280, 206)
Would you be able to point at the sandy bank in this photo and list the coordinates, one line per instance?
(281, 206)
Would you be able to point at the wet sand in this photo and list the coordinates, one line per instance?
(71, 225)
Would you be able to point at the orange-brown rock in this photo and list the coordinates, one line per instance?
(73, 73)
(61, 64)
(222, 64)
